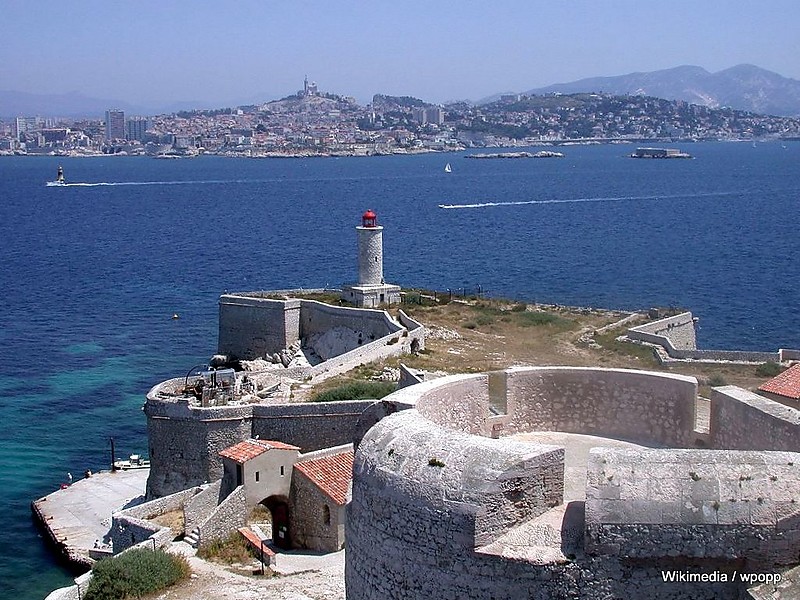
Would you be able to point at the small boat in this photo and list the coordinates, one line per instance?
(59, 177)
(134, 462)
(447, 168)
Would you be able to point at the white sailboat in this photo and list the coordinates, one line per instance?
(447, 168)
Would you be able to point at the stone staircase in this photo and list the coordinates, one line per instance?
(193, 537)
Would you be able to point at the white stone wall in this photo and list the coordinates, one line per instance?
(198, 508)
(226, 518)
(639, 406)
(700, 504)
(742, 420)
(253, 327)
(653, 408)
(679, 329)
(676, 335)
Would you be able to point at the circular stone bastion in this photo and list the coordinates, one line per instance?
(450, 502)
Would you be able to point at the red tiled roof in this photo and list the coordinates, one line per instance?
(248, 449)
(786, 384)
(331, 474)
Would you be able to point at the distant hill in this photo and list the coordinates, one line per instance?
(743, 87)
(384, 102)
(77, 105)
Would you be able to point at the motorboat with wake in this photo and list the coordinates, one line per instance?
(59, 178)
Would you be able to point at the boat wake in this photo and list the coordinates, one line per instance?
(121, 183)
(574, 200)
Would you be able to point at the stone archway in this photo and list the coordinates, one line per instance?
(278, 507)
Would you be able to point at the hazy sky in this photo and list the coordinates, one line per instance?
(158, 52)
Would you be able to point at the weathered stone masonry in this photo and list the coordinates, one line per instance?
(185, 441)
(415, 530)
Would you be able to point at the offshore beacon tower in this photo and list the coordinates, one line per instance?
(371, 290)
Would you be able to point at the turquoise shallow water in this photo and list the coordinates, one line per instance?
(91, 274)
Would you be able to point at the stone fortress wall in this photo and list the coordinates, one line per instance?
(184, 440)
(428, 480)
(253, 326)
(676, 335)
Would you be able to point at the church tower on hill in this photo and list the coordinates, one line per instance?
(371, 290)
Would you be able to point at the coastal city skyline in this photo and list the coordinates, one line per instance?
(152, 55)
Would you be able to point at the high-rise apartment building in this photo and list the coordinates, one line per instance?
(115, 125)
(136, 127)
(24, 125)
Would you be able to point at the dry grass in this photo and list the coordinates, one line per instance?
(497, 334)
(172, 519)
(234, 550)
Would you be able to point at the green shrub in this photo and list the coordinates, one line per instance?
(484, 320)
(235, 549)
(519, 307)
(768, 369)
(536, 319)
(470, 325)
(717, 381)
(135, 573)
(356, 390)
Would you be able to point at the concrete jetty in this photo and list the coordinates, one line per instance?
(77, 518)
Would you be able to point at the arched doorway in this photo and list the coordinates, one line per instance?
(279, 509)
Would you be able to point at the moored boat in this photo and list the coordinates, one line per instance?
(135, 461)
(660, 153)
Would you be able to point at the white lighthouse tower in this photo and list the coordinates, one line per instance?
(371, 290)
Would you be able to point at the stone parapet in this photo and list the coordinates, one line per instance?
(418, 529)
(742, 420)
(676, 335)
(700, 504)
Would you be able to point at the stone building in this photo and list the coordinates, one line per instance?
(371, 289)
(305, 494)
(320, 492)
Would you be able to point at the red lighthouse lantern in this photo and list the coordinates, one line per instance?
(369, 219)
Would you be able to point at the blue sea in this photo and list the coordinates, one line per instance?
(92, 273)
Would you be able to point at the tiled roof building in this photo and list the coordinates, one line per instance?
(331, 474)
(785, 387)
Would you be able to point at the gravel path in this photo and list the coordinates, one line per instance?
(302, 577)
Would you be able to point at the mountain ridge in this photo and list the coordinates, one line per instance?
(743, 87)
